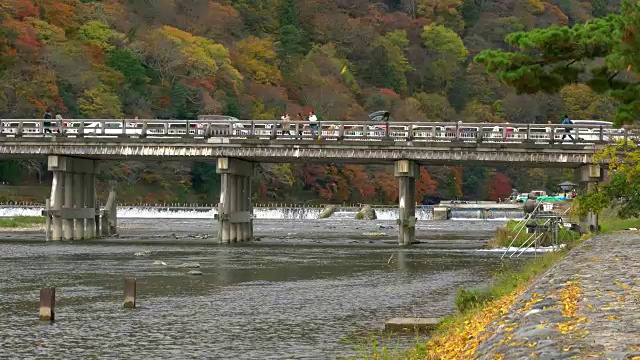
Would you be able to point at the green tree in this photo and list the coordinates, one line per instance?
(99, 34)
(205, 180)
(556, 56)
(389, 64)
(290, 49)
(100, 102)
(288, 13)
(131, 67)
(622, 191)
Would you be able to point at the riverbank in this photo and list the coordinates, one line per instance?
(22, 223)
(496, 322)
(587, 305)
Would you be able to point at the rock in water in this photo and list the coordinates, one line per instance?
(194, 272)
(327, 212)
(189, 265)
(366, 213)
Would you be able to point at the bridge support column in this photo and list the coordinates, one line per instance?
(235, 210)
(72, 198)
(406, 171)
(589, 176)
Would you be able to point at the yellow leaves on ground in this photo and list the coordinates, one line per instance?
(569, 298)
(622, 285)
(462, 342)
(535, 298)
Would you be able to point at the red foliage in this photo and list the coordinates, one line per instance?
(360, 182)
(26, 41)
(499, 186)
(387, 185)
(150, 198)
(388, 92)
(327, 182)
(23, 9)
(425, 185)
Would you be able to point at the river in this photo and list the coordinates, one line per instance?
(302, 292)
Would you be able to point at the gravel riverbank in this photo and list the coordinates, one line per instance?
(586, 306)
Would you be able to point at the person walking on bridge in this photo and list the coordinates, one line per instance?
(47, 124)
(314, 126)
(286, 126)
(567, 130)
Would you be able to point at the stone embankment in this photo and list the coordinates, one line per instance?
(587, 306)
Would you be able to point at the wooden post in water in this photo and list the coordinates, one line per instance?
(47, 303)
(129, 293)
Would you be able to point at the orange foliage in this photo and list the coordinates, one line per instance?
(59, 12)
(424, 185)
(22, 9)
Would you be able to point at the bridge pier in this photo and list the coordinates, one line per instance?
(72, 203)
(406, 171)
(235, 210)
(589, 176)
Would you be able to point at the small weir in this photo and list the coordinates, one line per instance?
(423, 213)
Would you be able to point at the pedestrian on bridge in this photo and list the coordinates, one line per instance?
(47, 124)
(314, 127)
(567, 130)
(302, 127)
(286, 126)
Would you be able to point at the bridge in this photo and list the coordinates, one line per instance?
(74, 146)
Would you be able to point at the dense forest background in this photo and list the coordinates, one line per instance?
(255, 59)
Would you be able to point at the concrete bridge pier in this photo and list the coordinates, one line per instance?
(589, 176)
(235, 210)
(72, 202)
(406, 171)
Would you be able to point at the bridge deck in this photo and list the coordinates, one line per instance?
(304, 142)
(318, 151)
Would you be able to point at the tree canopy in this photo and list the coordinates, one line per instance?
(604, 53)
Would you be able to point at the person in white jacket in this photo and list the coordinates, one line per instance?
(314, 127)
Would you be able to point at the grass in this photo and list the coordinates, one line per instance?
(21, 221)
(609, 222)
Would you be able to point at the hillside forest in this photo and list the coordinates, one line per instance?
(256, 59)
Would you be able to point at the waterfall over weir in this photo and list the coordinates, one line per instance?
(286, 213)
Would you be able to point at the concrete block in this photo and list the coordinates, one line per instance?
(441, 213)
(407, 168)
(234, 167)
(411, 324)
(239, 217)
(80, 213)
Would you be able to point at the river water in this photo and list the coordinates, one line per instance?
(304, 291)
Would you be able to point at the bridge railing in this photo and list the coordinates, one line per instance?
(327, 130)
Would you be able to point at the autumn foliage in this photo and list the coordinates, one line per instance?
(257, 59)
